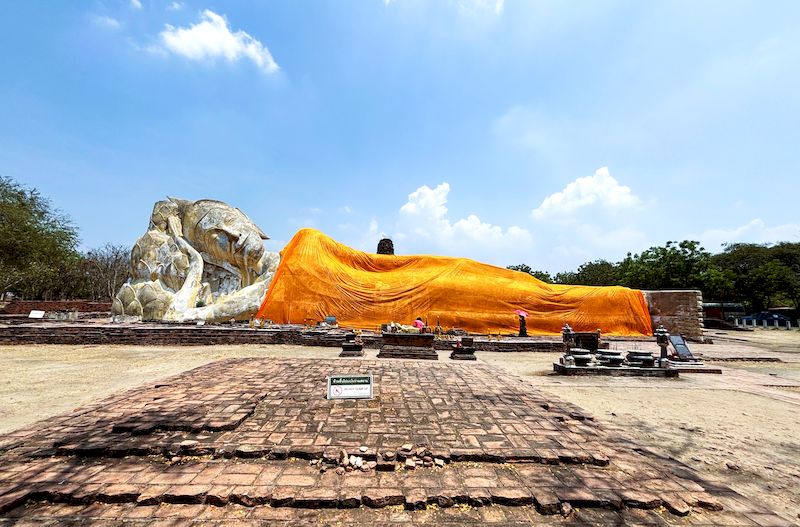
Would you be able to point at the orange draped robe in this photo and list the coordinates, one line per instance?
(318, 277)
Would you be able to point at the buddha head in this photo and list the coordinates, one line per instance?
(224, 234)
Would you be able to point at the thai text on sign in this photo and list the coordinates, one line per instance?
(350, 387)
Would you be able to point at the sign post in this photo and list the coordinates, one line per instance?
(350, 386)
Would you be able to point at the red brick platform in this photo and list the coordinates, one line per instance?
(255, 440)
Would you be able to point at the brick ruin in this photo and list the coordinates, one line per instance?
(385, 246)
(680, 311)
(253, 440)
(23, 307)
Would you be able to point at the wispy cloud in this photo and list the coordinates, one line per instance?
(175, 6)
(212, 39)
(754, 231)
(136, 4)
(480, 6)
(470, 8)
(106, 22)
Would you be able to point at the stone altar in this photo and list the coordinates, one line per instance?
(464, 349)
(408, 346)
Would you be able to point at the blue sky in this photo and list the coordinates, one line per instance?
(544, 132)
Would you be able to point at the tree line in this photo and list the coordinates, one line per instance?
(40, 260)
(39, 256)
(757, 275)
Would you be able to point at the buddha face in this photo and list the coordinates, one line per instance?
(226, 234)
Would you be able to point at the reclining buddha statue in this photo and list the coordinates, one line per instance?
(199, 260)
(205, 260)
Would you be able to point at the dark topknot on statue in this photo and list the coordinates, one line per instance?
(385, 246)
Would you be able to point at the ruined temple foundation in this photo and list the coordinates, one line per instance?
(408, 346)
(150, 456)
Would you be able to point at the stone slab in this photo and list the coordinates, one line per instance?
(621, 371)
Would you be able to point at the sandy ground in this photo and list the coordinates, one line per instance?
(740, 428)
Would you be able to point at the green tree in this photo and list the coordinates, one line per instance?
(718, 284)
(773, 282)
(677, 265)
(544, 276)
(762, 275)
(566, 278)
(37, 243)
(598, 272)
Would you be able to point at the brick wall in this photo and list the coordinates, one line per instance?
(23, 307)
(189, 335)
(680, 311)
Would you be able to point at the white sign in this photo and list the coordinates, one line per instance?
(350, 386)
(36, 313)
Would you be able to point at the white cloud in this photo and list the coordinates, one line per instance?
(755, 231)
(105, 22)
(345, 210)
(580, 222)
(175, 6)
(212, 39)
(601, 189)
(427, 201)
(424, 226)
(136, 4)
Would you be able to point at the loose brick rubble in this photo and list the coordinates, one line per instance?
(256, 440)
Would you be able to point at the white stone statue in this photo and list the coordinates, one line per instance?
(199, 260)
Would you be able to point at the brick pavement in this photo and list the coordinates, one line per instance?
(255, 439)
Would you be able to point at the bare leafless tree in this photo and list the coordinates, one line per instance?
(106, 268)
